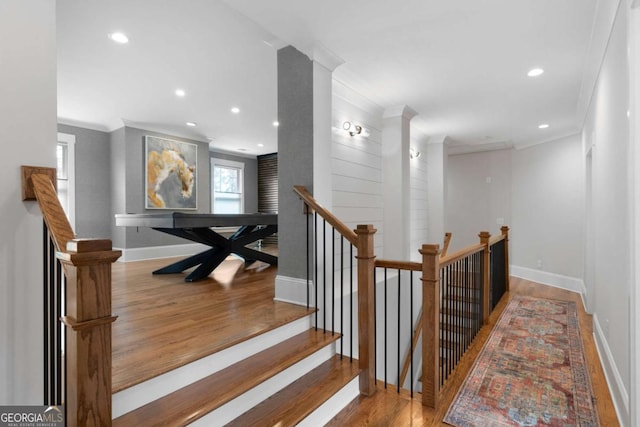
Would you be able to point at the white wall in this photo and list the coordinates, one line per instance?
(357, 162)
(548, 207)
(28, 127)
(418, 201)
(478, 195)
(607, 130)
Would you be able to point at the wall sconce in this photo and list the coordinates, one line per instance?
(352, 128)
(413, 153)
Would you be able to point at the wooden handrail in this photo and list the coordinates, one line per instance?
(447, 241)
(462, 253)
(308, 199)
(52, 211)
(399, 265)
(495, 239)
(88, 318)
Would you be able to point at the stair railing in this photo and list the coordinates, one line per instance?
(455, 301)
(83, 386)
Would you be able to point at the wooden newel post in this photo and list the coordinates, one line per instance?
(430, 324)
(87, 265)
(486, 303)
(366, 312)
(505, 233)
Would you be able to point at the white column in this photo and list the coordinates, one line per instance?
(395, 186)
(436, 182)
(324, 62)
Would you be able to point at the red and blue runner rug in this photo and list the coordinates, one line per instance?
(532, 371)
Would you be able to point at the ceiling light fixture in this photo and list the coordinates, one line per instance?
(180, 93)
(276, 123)
(352, 128)
(235, 110)
(543, 126)
(192, 124)
(413, 153)
(260, 145)
(119, 38)
(535, 72)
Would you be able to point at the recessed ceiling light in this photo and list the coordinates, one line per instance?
(180, 92)
(535, 72)
(260, 145)
(276, 123)
(119, 38)
(191, 124)
(235, 110)
(543, 126)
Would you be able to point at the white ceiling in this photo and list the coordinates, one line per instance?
(460, 64)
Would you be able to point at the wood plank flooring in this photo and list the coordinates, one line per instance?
(388, 408)
(164, 323)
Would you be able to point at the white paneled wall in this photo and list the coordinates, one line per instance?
(418, 201)
(357, 161)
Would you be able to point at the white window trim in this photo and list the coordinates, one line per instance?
(70, 140)
(233, 164)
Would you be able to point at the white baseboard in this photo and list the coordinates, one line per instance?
(568, 283)
(293, 290)
(154, 252)
(619, 394)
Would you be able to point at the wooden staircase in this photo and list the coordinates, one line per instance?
(298, 380)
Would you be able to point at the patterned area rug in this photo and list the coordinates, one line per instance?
(531, 372)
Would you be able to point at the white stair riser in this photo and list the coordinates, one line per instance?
(139, 395)
(261, 392)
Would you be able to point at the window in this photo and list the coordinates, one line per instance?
(66, 174)
(227, 183)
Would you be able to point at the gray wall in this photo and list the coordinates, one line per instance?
(118, 186)
(93, 185)
(478, 194)
(250, 178)
(548, 207)
(134, 187)
(295, 156)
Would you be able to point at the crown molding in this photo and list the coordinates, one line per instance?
(403, 111)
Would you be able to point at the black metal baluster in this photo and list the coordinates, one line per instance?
(315, 256)
(341, 295)
(351, 303)
(385, 328)
(411, 330)
(398, 351)
(308, 258)
(324, 275)
(58, 315)
(333, 281)
(45, 309)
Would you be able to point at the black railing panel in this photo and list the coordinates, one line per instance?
(498, 285)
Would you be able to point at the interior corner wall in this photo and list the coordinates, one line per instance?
(547, 232)
(93, 179)
(478, 195)
(28, 124)
(607, 128)
(357, 162)
(295, 157)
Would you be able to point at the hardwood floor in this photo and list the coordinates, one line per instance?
(387, 408)
(164, 322)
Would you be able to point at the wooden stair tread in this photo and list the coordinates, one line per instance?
(189, 403)
(296, 401)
